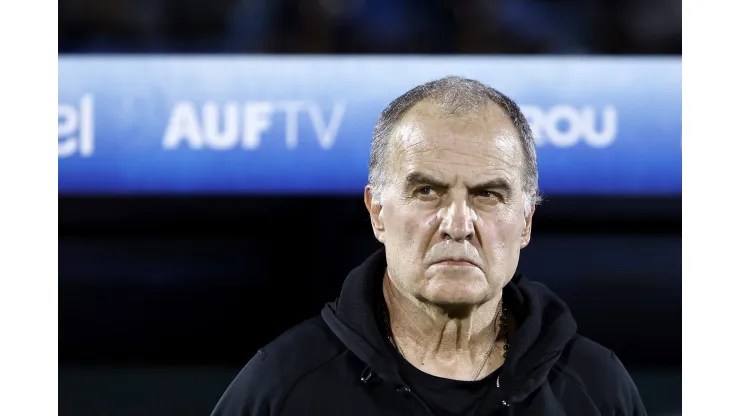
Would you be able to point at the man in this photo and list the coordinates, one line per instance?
(439, 322)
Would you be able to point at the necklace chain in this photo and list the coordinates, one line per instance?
(501, 316)
(499, 319)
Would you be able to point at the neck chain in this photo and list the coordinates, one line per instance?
(501, 316)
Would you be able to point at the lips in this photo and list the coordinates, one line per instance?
(456, 262)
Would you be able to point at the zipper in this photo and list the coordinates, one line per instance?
(367, 373)
(498, 386)
(406, 390)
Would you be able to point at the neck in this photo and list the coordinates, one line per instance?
(450, 341)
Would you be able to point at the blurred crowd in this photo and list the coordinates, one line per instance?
(371, 26)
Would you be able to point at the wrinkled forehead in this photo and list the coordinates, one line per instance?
(479, 143)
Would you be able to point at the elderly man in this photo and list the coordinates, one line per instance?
(439, 322)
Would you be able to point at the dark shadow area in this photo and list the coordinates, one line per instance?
(170, 284)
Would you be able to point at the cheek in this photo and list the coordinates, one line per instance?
(410, 226)
(509, 231)
(409, 229)
(502, 235)
(416, 230)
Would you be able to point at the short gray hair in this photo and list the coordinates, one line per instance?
(455, 96)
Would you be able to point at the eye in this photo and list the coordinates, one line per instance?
(425, 190)
(426, 193)
(489, 195)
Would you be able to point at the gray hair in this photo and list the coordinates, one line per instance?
(455, 96)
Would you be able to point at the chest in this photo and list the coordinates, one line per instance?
(374, 399)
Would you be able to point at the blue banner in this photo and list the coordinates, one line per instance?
(302, 125)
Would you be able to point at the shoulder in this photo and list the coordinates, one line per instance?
(302, 347)
(267, 379)
(601, 374)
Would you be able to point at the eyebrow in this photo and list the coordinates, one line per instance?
(498, 183)
(418, 178)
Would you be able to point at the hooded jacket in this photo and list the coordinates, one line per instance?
(339, 363)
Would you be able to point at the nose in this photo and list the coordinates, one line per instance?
(457, 222)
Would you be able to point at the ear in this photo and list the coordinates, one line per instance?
(527, 230)
(374, 208)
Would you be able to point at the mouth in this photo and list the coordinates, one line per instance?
(456, 263)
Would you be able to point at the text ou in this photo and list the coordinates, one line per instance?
(565, 126)
(76, 128)
(224, 126)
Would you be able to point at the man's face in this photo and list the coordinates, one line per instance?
(452, 217)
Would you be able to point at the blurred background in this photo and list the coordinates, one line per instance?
(371, 26)
(164, 296)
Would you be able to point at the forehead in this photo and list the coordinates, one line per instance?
(482, 142)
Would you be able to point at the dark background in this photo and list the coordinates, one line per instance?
(163, 299)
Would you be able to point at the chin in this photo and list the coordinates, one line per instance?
(457, 291)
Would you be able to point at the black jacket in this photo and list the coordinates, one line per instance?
(338, 363)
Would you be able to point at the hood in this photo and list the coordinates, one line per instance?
(544, 328)
(352, 317)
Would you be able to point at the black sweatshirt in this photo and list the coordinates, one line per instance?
(340, 363)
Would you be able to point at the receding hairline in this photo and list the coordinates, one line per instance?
(434, 107)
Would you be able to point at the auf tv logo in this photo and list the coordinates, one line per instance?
(566, 126)
(226, 126)
(76, 128)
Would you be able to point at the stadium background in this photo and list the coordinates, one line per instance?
(164, 297)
